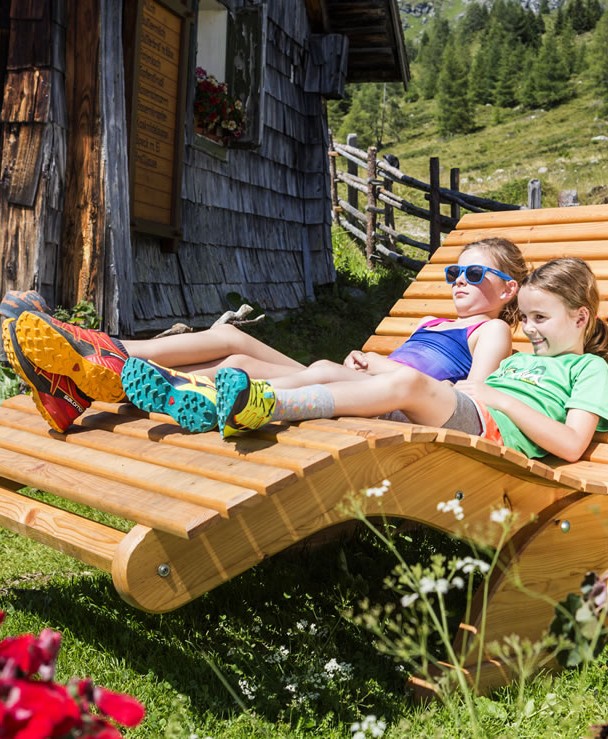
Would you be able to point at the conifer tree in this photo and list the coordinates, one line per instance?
(476, 16)
(551, 76)
(508, 77)
(485, 67)
(599, 60)
(454, 107)
(430, 56)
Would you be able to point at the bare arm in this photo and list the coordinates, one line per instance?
(370, 362)
(566, 440)
(374, 363)
(493, 343)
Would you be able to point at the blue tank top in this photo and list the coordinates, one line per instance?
(444, 355)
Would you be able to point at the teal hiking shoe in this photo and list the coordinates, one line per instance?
(243, 404)
(188, 398)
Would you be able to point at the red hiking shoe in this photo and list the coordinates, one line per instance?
(59, 401)
(90, 358)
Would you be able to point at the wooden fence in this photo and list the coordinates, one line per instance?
(374, 225)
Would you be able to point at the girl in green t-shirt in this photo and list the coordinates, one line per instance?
(550, 401)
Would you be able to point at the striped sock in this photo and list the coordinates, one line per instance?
(312, 401)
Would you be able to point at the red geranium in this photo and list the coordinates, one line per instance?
(216, 112)
(33, 706)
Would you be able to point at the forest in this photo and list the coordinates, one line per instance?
(499, 54)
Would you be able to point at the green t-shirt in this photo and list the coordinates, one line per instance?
(551, 385)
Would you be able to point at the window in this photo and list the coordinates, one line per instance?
(231, 46)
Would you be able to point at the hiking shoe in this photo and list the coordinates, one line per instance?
(57, 398)
(242, 404)
(15, 302)
(189, 399)
(91, 358)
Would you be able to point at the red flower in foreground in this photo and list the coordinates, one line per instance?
(33, 706)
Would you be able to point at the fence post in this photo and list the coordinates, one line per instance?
(534, 194)
(455, 185)
(434, 206)
(389, 213)
(371, 205)
(333, 155)
(352, 195)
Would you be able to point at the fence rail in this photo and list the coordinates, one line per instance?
(379, 235)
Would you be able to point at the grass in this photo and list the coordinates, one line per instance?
(273, 653)
(508, 149)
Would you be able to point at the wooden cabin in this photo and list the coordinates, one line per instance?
(111, 191)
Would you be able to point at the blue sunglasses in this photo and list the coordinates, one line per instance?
(473, 273)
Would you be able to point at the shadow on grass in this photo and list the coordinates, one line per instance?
(276, 625)
(268, 637)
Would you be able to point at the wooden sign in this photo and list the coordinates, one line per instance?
(160, 76)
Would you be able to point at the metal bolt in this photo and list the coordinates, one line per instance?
(564, 526)
(459, 495)
(163, 570)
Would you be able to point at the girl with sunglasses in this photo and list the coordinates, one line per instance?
(484, 289)
(549, 401)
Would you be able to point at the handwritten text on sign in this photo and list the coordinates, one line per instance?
(156, 110)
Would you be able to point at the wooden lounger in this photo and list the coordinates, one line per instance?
(205, 510)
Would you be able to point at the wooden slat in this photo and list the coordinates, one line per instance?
(540, 252)
(91, 542)
(377, 433)
(126, 420)
(535, 234)
(534, 217)
(223, 497)
(181, 519)
(264, 479)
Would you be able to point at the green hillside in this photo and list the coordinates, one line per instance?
(560, 147)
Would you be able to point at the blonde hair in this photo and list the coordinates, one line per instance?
(507, 257)
(572, 280)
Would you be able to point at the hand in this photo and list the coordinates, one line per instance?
(356, 360)
(478, 390)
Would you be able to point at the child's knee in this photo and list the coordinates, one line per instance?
(406, 381)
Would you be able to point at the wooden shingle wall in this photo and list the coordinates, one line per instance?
(258, 222)
(32, 137)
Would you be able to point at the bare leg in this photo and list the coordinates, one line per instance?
(423, 399)
(321, 372)
(205, 350)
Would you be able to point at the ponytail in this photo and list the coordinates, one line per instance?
(597, 343)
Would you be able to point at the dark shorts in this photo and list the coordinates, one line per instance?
(473, 417)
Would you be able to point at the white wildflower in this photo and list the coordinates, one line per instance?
(430, 585)
(379, 491)
(458, 582)
(247, 689)
(338, 669)
(407, 600)
(468, 564)
(370, 724)
(500, 515)
(453, 506)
